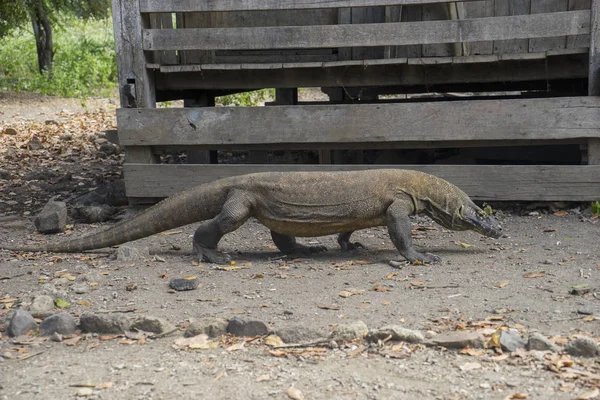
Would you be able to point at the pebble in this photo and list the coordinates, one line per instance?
(85, 392)
(240, 327)
(42, 306)
(81, 288)
(127, 253)
(10, 131)
(299, 334)
(537, 341)
(349, 331)
(20, 323)
(52, 218)
(184, 284)
(152, 324)
(511, 340)
(585, 311)
(101, 323)
(583, 347)
(397, 333)
(212, 327)
(62, 323)
(459, 340)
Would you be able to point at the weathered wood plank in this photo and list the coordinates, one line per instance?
(578, 40)
(392, 34)
(254, 5)
(594, 77)
(483, 182)
(593, 151)
(480, 9)
(551, 43)
(511, 7)
(528, 119)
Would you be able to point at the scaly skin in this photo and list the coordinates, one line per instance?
(299, 204)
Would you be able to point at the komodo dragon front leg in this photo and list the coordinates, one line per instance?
(236, 210)
(398, 224)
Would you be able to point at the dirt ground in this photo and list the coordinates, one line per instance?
(521, 281)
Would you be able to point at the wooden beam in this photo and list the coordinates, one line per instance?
(524, 119)
(483, 182)
(594, 79)
(376, 34)
(253, 5)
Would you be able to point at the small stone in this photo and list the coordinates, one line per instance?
(42, 306)
(511, 340)
(184, 284)
(10, 131)
(128, 254)
(240, 327)
(91, 276)
(459, 340)
(100, 323)
(5, 175)
(349, 331)
(61, 282)
(397, 333)
(85, 392)
(539, 342)
(56, 337)
(299, 334)
(35, 143)
(65, 137)
(583, 347)
(52, 218)
(148, 323)
(485, 385)
(62, 323)
(20, 323)
(585, 311)
(81, 288)
(213, 327)
(581, 289)
(534, 213)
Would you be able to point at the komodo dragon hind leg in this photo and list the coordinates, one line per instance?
(345, 244)
(398, 224)
(287, 245)
(235, 212)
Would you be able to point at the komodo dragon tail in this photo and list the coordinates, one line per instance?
(199, 204)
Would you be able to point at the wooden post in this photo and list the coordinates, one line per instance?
(593, 145)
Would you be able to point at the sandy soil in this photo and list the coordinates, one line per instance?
(521, 280)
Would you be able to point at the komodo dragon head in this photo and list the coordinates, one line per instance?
(458, 212)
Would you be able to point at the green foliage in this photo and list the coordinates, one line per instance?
(84, 59)
(596, 207)
(247, 99)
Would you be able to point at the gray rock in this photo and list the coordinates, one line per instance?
(10, 131)
(62, 323)
(398, 333)
(585, 311)
(128, 254)
(108, 149)
(42, 174)
(42, 306)
(52, 218)
(91, 276)
(94, 213)
(184, 284)
(537, 341)
(240, 327)
(101, 323)
(56, 337)
(148, 323)
(20, 323)
(81, 288)
(583, 347)
(5, 175)
(459, 340)
(299, 334)
(349, 331)
(213, 327)
(511, 340)
(35, 143)
(112, 194)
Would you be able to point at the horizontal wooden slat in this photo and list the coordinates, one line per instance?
(475, 59)
(387, 34)
(252, 5)
(483, 182)
(526, 119)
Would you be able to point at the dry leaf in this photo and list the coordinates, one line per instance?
(379, 289)
(589, 318)
(236, 346)
(326, 307)
(417, 283)
(190, 278)
(502, 283)
(470, 366)
(294, 393)
(230, 268)
(194, 343)
(534, 274)
(517, 396)
(464, 245)
(561, 213)
(273, 341)
(8, 300)
(263, 378)
(350, 292)
(73, 341)
(84, 303)
(104, 385)
(472, 352)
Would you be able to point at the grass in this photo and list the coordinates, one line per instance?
(84, 60)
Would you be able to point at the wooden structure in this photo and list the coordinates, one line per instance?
(529, 72)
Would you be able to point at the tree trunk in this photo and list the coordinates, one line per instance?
(43, 36)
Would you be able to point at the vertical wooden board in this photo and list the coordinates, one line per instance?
(578, 41)
(551, 43)
(368, 15)
(594, 69)
(511, 7)
(197, 20)
(410, 14)
(163, 21)
(435, 12)
(480, 9)
(593, 151)
(344, 17)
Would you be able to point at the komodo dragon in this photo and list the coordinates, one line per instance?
(299, 204)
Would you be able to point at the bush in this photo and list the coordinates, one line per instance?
(84, 59)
